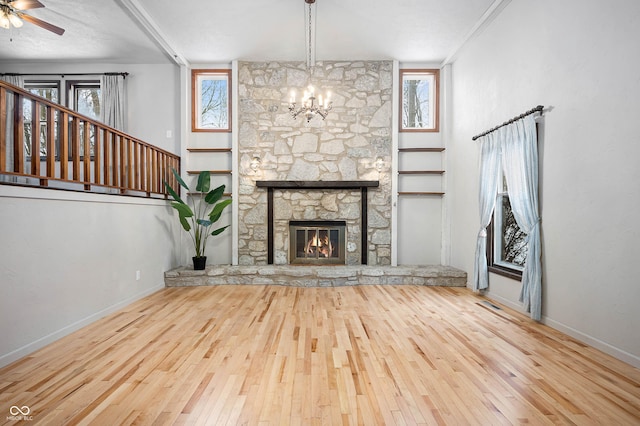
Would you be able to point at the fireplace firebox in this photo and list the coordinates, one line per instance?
(317, 242)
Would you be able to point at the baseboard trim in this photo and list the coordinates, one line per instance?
(605, 347)
(29, 348)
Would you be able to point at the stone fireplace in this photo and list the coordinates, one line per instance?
(316, 171)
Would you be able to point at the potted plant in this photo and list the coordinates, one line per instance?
(197, 218)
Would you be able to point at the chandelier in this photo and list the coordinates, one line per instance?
(310, 105)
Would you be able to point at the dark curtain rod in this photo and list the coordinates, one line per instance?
(62, 74)
(539, 109)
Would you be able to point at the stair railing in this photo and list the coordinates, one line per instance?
(45, 144)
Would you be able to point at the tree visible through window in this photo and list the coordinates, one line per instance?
(513, 248)
(84, 97)
(49, 90)
(210, 92)
(507, 243)
(419, 100)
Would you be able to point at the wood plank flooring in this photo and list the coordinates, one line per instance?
(271, 355)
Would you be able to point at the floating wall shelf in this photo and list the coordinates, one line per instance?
(420, 172)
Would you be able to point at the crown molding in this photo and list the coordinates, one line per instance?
(489, 15)
(149, 26)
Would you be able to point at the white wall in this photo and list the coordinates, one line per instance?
(579, 59)
(420, 216)
(154, 105)
(67, 259)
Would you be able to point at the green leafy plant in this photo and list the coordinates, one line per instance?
(205, 209)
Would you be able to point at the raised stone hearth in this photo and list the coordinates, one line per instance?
(316, 276)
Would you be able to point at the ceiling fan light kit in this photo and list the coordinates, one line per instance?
(12, 15)
(7, 20)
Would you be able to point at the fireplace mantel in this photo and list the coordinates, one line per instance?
(317, 184)
(362, 185)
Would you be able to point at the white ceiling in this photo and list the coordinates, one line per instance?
(219, 31)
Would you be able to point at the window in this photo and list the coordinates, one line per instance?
(46, 89)
(49, 90)
(210, 100)
(419, 110)
(84, 97)
(506, 242)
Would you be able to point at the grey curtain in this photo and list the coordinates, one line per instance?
(16, 80)
(113, 106)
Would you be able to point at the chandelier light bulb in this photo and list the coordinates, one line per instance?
(309, 107)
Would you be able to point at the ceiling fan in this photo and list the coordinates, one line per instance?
(11, 13)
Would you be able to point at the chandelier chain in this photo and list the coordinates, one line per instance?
(309, 61)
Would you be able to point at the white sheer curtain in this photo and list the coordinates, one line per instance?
(112, 110)
(514, 148)
(520, 165)
(489, 172)
(16, 80)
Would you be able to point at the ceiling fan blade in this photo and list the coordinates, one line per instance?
(42, 24)
(26, 4)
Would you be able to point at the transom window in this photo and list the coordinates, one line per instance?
(210, 100)
(46, 89)
(419, 110)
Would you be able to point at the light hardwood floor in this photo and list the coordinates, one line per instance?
(273, 355)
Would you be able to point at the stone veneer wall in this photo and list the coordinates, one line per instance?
(343, 147)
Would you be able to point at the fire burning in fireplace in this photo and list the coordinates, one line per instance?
(319, 244)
